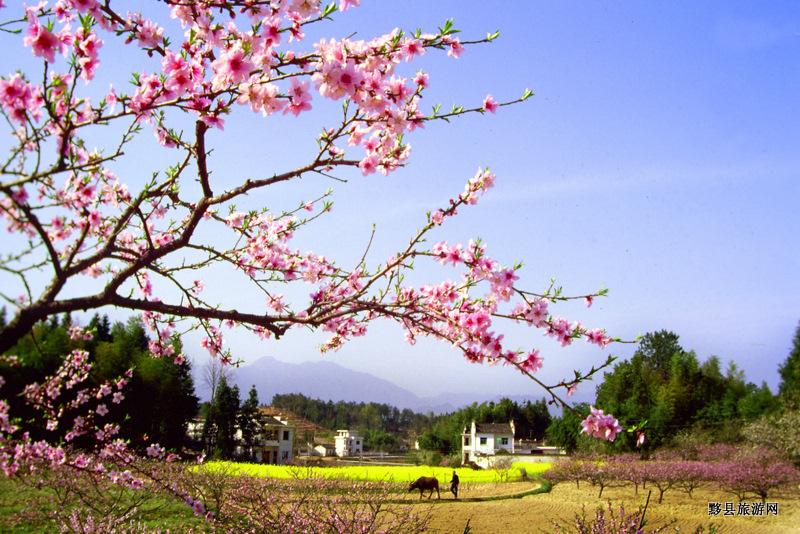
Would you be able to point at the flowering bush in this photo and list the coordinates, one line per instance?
(607, 522)
(745, 472)
(756, 472)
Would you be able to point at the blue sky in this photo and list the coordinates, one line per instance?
(659, 157)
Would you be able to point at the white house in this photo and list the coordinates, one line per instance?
(273, 442)
(486, 439)
(324, 449)
(348, 443)
(194, 428)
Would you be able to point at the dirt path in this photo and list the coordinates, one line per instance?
(534, 513)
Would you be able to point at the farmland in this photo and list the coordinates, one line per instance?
(500, 501)
(401, 474)
(491, 501)
(563, 501)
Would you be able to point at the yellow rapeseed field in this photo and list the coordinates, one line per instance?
(385, 473)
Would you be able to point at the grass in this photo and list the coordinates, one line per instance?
(25, 510)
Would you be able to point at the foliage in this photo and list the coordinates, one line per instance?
(789, 370)
(246, 422)
(224, 418)
(669, 389)
(381, 425)
(771, 432)
(564, 430)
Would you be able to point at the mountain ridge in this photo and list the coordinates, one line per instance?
(327, 380)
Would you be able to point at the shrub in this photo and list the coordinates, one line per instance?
(609, 522)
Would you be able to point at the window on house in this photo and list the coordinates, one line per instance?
(466, 441)
(285, 435)
(483, 441)
(285, 455)
(503, 441)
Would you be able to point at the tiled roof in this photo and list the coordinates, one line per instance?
(302, 425)
(493, 428)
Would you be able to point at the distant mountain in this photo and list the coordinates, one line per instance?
(317, 380)
(330, 381)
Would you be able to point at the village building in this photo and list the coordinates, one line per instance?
(273, 443)
(272, 440)
(489, 445)
(324, 449)
(348, 443)
(194, 428)
(482, 440)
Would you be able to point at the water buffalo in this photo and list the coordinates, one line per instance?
(425, 483)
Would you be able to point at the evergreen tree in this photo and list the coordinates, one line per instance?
(247, 419)
(226, 409)
(565, 430)
(789, 370)
(657, 350)
(680, 396)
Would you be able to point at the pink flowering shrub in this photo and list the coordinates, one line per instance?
(607, 521)
(756, 472)
(745, 473)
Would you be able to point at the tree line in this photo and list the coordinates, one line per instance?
(382, 426)
(531, 420)
(665, 392)
(663, 389)
(385, 427)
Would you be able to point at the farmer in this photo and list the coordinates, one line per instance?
(454, 485)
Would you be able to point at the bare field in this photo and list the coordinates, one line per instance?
(535, 513)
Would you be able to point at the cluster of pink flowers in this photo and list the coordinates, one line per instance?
(599, 425)
(19, 98)
(86, 407)
(234, 55)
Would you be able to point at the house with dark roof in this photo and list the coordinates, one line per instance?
(271, 439)
(483, 440)
(274, 440)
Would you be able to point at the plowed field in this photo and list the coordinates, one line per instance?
(535, 513)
